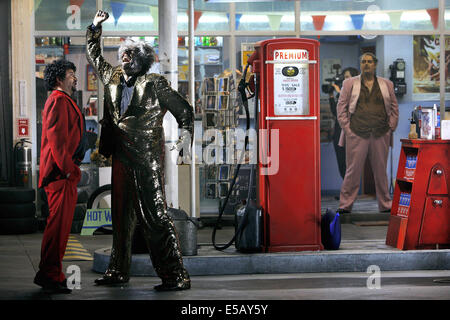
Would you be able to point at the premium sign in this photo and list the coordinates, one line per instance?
(291, 82)
(293, 54)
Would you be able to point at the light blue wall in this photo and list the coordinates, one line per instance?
(348, 53)
(388, 49)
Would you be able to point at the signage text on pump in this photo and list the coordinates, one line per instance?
(290, 82)
(287, 54)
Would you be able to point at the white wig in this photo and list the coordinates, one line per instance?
(144, 53)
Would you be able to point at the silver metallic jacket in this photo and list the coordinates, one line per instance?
(136, 142)
(141, 125)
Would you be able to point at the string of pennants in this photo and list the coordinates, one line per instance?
(358, 19)
(274, 20)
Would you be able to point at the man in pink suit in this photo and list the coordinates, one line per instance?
(368, 114)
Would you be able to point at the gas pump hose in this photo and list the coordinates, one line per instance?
(242, 86)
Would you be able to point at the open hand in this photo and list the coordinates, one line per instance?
(100, 17)
(183, 142)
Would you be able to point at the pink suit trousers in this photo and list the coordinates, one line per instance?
(356, 151)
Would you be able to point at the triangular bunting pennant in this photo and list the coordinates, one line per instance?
(274, 21)
(238, 17)
(395, 19)
(154, 14)
(78, 3)
(358, 20)
(434, 15)
(37, 3)
(197, 15)
(318, 22)
(117, 10)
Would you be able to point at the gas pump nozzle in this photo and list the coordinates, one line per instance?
(253, 57)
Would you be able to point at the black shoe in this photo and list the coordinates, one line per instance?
(57, 287)
(111, 278)
(174, 286)
(50, 286)
(41, 280)
(342, 211)
(386, 211)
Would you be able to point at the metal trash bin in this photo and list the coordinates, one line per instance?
(187, 230)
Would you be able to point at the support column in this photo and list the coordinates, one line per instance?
(168, 56)
(22, 73)
(442, 65)
(193, 212)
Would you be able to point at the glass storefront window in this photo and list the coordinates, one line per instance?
(447, 14)
(375, 15)
(265, 16)
(215, 56)
(207, 16)
(73, 49)
(135, 16)
(71, 15)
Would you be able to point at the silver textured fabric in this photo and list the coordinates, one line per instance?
(135, 140)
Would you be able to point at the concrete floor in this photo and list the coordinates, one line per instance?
(20, 258)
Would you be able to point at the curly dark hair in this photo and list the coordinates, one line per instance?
(353, 71)
(56, 70)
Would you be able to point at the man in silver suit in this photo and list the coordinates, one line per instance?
(132, 132)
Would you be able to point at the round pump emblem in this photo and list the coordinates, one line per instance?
(290, 71)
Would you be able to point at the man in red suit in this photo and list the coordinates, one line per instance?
(62, 150)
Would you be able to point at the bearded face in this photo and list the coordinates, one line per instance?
(131, 64)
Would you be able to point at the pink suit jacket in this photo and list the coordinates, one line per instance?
(349, 98)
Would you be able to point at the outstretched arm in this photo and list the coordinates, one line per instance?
(93, 50)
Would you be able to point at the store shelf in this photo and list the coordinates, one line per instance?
(420, 213)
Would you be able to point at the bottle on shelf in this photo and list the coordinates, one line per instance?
(412, 130)
(420, 118)
(438, 126)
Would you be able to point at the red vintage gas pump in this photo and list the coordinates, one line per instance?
(287, 70)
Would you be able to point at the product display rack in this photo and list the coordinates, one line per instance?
(219, 119)
(420, 213)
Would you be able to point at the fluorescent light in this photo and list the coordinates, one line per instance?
(419, 15)
(133, 19)
(252, 18)
(213, 19)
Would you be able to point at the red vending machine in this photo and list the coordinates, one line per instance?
(287, 70)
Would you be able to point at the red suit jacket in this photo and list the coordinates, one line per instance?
(62, 124)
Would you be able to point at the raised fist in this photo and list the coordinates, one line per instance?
(100, 17)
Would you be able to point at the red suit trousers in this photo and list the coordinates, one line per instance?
(62, 198)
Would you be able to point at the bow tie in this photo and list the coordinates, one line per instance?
(131, 81)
